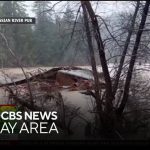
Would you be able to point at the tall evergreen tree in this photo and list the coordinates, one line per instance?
(16, 34)
(44, 32)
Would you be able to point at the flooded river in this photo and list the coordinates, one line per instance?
(75, 98)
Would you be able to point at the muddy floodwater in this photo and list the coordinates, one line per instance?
(8, 75)
(84, 102)
(74, 98)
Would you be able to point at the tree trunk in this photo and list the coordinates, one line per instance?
(109, 94)
(93, 62)
(115, 87)
(133, 58)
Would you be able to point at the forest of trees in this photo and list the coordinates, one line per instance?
(83, 37)
(44, 43)
(56, 39)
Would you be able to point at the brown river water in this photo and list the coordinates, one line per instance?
(72, 97)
